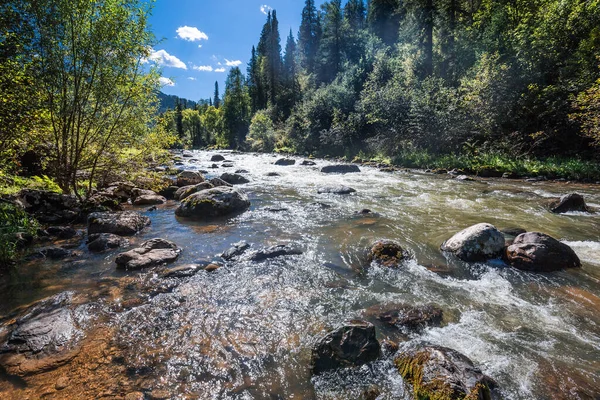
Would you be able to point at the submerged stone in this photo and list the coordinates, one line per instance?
(336, 190)
(387, 253)
(275, 251)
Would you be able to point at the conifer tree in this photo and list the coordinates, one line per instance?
(355, 13)
(384, 19)
(217, 100)
(330, 47)
(309, 36)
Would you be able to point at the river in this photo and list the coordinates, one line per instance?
(245, 330)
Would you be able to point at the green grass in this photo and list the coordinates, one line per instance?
(13, 220)
(551, 167)
(12, 184)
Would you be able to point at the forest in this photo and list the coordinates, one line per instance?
(505, 84)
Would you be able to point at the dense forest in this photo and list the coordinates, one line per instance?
(420, 77)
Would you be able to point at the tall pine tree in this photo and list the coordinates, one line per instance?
(384, 19)
(217, 98)
(309, 36)
(355, 13)
(329, 59)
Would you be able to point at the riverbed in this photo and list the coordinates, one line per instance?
(245, 331)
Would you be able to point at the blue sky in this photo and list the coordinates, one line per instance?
(201, 40)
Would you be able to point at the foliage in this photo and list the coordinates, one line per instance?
(587, 106)
(14, 221)
(261, 136)
(236, 111)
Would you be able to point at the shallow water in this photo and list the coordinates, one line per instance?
(245, 331)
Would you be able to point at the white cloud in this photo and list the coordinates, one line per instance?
(199, 46)
(206, 68)
(220, 70)
(265, 9)
(165, 81)
(235, 63)
(191, 78)
(191, 34)
(161, 57)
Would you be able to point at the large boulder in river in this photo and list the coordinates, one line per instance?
(187, 191)
(217, 157)
(436, 372)
(387, 253)
(99, 242)
(150, 253)
(568, 203)
(477, 243)
(46, 337)
(538, 252)
(187, 178)
(124, 223)
(213, 203)
(340, 169)
(234, 179)
(285, 161)
(348, 346)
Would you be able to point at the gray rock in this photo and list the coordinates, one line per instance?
(217, 157)
(340, 169)
(169, 192)
(234, 179)
(46, 337)
(182, 271)
(275, 251)
(440, 372)
(336, 190)
(124, 223)
(50, 207)
(55, 253)
(409, 318)
(273, 174)
(538, 252)
(99, 242)
(348, 346)
(216, 182)
(187, 191)
(149, 199)
(236, 250)
(187, 178)
(568, 203)
(308, 163)
(137, 192)
(150, 253)
(477, 243)
(285, 161)
(213, 203)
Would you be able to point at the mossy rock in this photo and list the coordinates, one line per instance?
(440, 373)
(387, 253)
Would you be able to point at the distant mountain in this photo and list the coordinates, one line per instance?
(168, 102)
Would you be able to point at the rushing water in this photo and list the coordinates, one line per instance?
(245, 331)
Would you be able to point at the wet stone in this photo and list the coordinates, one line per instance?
(348, 346)
(217, 158)
(340, 169)
(149, 199)
(99, 242)
(216, 182)
(187, 178)
(336, 190)
(407, 317)
(387, 253)
(62, 232)
(538, 252)
(236, 250)
(436, 372)
(285, 161)
(182, 271)
(213, 203)
(274, 252)
(55, 253)
(187, 191)
(150, 253)
(124, 223)
(479, 242)
(307, 163)
(234, 179)
(569, 203)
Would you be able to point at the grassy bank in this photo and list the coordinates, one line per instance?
(495, 164)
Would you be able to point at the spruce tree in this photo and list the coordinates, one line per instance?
(329, 59)
(384, 19)
(236, 110)
(217, 100)
(179, 118)
(355, 13)
(309, 35)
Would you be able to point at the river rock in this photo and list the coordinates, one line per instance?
(150, 253)
(187, 178)
(182, 271)
(336, 190)
(188, 154)
(137, 192)
(477, 243)
(169, 192)
(407, 317)
(149, 199)
(124, 223)
(387, 253)
(308, 163)
(340, 169)
(436, 372)
(217, 158)
(348, 346)
(234, 179)
(99, 242)
(50, 207)
(464, 178)
(236, 250)
(216, 182)
(46, 337)
(285, 161)
(273, 174)
(55, 253)
(213, 203)
(538, 252)
(187, 191)
(275, 251)
(242, 171)
(568, 203)
(62, 232)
